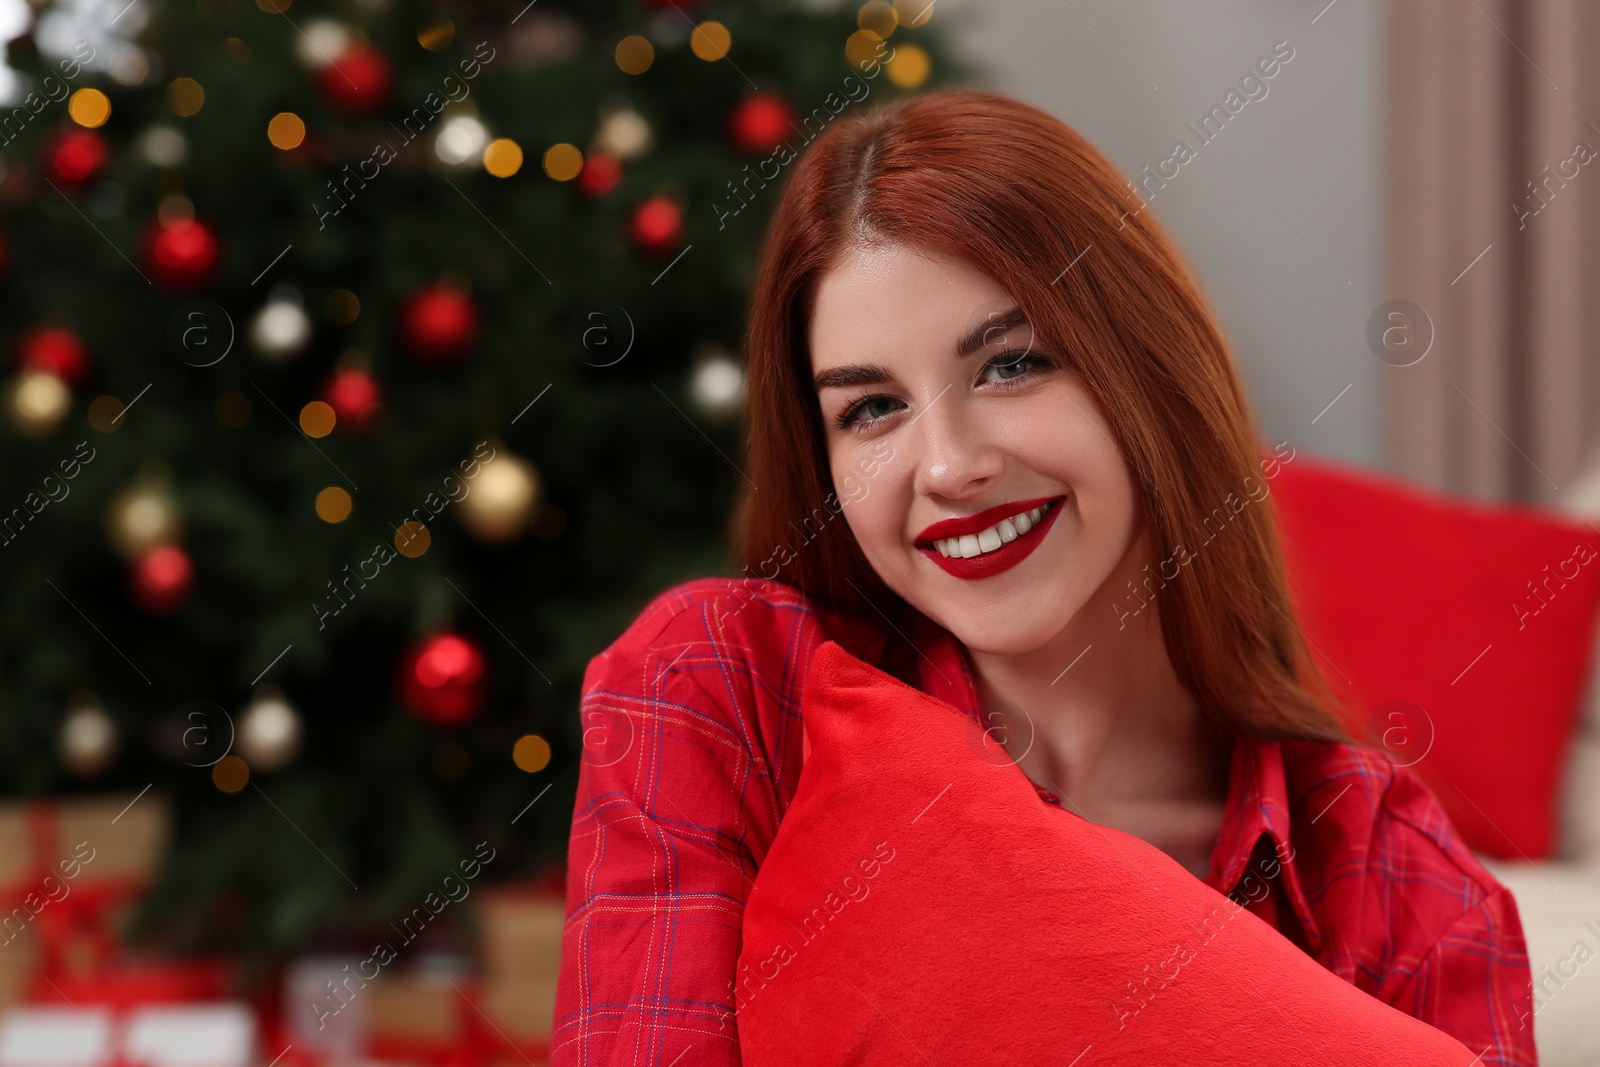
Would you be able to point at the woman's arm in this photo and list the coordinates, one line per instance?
(672, 811)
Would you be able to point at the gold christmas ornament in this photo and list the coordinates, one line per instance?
(624, 133)
(37, 401)
(502, 498)
(323, 42)
(143, 516)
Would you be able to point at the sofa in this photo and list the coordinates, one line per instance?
(1478, 623)
(1559, 898)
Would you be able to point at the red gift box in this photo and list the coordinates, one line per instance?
(69, 871)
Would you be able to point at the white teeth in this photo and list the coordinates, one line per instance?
(1003, 532)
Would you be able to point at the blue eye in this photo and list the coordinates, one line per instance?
(1018, 365)
(1017, 362)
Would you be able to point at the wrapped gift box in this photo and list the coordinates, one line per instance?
(409, 1013)
(70, 870)
(521, 955)
(222, 1034)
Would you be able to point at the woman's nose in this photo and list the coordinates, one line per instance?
(953, 454)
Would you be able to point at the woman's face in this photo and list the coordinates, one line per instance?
(932, 435)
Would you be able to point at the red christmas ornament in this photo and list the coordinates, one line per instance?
(442, 679)
(161, 579)
(600, 174)
(358, 82)
(55, 349)
(73, 156)
(183, 254)
(439, 323)
(657, 225)
(355, 399)
(760, 123)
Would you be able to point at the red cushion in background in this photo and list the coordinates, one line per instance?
(919, 903)
(1401, 591)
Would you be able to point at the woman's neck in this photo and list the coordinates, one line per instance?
(1098, 714)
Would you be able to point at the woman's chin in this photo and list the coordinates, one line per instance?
(1012, 637)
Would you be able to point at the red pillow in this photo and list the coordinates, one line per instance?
(919, 903)
(1464, 632)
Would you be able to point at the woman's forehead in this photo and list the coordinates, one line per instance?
(879, 301)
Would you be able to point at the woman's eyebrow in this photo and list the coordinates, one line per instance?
(877, 374)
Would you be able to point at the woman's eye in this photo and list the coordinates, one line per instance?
(1013, 365)
(1009, 367)
(861, 413)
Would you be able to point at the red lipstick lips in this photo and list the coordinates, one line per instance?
(1001, 559)
(971, 524)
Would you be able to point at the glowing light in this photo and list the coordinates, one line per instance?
(436, 35)
(317, 419)
(185, 97)
(563, 162)
(634, 54)
(286, 130)
(711, 41)
(89, 107)
(877, 16)
(910, 66)
(411, 539)
(531, 753)
(460, 140)
(230, 774)
(333, 504)
(502, 157)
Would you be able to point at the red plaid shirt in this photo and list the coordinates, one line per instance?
(692, 752)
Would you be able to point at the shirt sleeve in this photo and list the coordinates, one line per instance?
(672, 810)
(1475, 984)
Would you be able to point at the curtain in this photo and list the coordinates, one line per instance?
(1493, 201)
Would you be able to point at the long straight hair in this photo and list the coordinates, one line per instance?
(1023, 198)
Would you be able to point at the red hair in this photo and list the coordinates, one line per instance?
(1019, 195)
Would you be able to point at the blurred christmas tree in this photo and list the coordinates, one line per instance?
(367, 368)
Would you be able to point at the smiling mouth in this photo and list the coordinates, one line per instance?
(1002, 557)
(991, 539)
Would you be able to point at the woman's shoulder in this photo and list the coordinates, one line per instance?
(710, 669)
(1372, 808)
(713, 607)
(1406, 910)
(748, 627)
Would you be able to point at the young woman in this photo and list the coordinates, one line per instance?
(998, 448)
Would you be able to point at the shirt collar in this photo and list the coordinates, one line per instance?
(1258, 804)
(925, 654)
